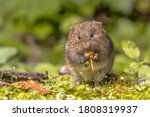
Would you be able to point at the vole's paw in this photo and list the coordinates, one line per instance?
(97, 84)
(64, 70)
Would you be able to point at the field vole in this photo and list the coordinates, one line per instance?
(89, 52)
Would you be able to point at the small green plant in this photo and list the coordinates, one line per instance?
(140, 67)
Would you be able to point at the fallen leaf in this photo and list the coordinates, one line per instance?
(31, 85)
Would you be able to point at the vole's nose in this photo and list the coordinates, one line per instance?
(86, 45)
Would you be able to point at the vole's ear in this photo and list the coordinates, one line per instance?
(99, 23)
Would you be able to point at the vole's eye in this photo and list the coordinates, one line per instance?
(91, 35)
(79, 37)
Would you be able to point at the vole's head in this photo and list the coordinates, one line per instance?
(86, 38)
(86, 35)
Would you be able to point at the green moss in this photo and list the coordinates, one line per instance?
(62, 90)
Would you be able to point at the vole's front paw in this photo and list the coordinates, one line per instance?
(97, 84)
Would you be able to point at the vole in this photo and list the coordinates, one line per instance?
(89, 52)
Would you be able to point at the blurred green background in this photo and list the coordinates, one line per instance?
(33, 32)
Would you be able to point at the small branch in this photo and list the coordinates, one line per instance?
(10, 76)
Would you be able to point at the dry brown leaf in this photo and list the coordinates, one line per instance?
(31, 85)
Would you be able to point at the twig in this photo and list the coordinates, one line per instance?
(10, 76)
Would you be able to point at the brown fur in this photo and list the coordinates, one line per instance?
(89, 36)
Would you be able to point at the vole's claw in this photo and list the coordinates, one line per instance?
(95, 57)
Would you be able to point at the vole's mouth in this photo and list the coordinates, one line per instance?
(91, 55)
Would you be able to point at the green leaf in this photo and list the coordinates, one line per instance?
(6, 53)
(23, 48)
(133, 68)
(131, 50)
(144, 72)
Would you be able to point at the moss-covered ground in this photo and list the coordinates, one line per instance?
(111, 89)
